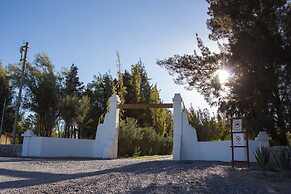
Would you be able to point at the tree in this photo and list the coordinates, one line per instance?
(69, 107)
(121, 89)
(138, 90)
(72, 83)
(83, 120)
(135, 82)
(256, 49)
(6, 98)
(159, 115)
(209, 128)
(98, 91)
(74, 106)
(42, 93)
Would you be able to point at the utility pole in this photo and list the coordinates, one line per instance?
(23, 49)
(2, 117)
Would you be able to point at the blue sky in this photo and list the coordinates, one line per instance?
(89, 32)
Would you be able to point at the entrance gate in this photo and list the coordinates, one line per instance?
(185, 143)
(106, 143)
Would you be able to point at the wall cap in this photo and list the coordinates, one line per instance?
(177, 97)
(28, 133)
(114, 98)
(263, 136)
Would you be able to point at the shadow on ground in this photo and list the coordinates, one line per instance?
(231, 178)
(31, 178)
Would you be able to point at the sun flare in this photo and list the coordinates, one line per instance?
(223, 75)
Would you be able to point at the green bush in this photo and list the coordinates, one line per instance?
(288, 136)
(262, 156)
(209, 127)
(281, 160)
(136, 141)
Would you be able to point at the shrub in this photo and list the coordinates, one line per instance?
(262, 156)
(281, 160)
(209, 128)
(288, 136)
(137, 141)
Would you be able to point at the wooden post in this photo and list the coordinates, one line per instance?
(232, 148)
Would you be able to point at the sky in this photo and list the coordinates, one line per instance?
(88, 33)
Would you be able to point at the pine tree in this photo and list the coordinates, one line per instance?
(256, 49)
(73, 108)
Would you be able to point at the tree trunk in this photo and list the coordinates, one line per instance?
(282, 129)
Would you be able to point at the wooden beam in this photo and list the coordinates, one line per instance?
(145, 106)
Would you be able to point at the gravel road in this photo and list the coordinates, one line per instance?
(147, 175)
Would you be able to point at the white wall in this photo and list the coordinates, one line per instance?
(192, 149)
(187, 147)
(34, 147)
(104, 145)
(59, 147)
(185, 143)
(63, 147)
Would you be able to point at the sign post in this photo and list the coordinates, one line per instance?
(239, 140)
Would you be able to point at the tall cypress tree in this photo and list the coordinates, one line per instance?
(159, 115)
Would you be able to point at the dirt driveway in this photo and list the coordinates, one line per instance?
(144, 175)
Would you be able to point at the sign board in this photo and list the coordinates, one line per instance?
(238, 139)
(236, 125)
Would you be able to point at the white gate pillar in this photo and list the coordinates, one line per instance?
(106, 141)
(263, 139)
(27, 135)
(177, 101)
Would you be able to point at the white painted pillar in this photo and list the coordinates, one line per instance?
(26, 142)
(114, 101)
(177, 105)
(262, 140)
(106, 141)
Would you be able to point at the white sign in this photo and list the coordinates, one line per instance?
(238, 139)
(236, 125)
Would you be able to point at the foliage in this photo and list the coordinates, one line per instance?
(99, 91)
(139, 90)
(60, 105)
(159, 115)
(6, 98)
(137, 141)
(262, 155)
(281, 160)
(74, 105)
(42, 93)
(254, 40)
(121, 89)
(288, 135)
(72, 84)
(209, 128)
(82, 120)
(69, 106)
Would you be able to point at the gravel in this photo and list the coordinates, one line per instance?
(159, 174)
